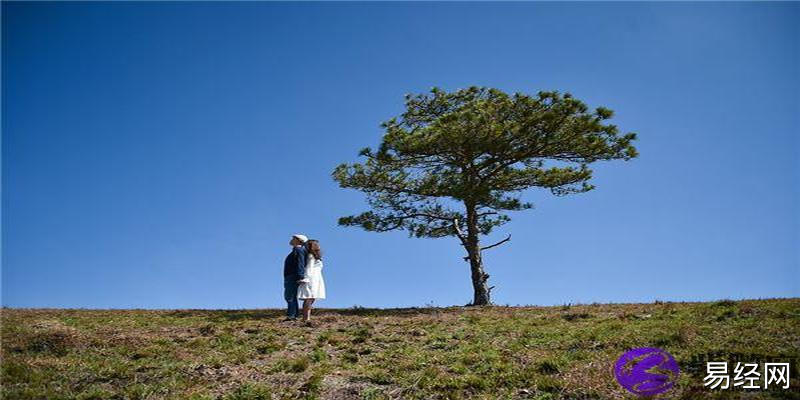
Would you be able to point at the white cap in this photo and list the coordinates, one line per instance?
(302, 238)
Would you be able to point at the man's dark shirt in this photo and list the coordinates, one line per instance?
(294, 267)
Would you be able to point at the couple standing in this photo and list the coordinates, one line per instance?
(302, 276)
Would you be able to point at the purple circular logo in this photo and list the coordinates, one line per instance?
(646, 371)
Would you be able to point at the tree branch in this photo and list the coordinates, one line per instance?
(415, 215)
(459, 233)
(496, 244)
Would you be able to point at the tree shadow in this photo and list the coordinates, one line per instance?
(229, 315)
(383, 312)
(271, 314)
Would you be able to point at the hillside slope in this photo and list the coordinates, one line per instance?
(494, 352)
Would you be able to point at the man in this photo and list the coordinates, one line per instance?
(294, 270)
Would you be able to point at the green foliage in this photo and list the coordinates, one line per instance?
(295, 365)
(319, 355)
(479, 147)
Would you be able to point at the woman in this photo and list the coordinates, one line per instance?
(312, 286)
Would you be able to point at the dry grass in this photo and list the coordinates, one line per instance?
(426, 353)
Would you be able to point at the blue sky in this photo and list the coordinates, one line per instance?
(159, 155)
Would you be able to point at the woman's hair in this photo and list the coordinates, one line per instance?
(313, 247)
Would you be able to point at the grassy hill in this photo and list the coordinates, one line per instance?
(562, 352)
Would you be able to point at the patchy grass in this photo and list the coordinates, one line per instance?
(564, 352)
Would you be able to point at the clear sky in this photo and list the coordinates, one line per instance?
(159, 155)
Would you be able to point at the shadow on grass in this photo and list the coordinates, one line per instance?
(228, 315)
(384, 312)
(271, 314)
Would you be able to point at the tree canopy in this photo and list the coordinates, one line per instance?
(454, 163)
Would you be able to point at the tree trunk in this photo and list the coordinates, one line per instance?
(479, 280)
(479, 276)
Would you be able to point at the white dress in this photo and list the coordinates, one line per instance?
(315, 287)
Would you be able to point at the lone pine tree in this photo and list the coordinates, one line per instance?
(454, 163)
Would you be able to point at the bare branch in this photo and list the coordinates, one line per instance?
(496, 244)
(466, 258)
(459, 233)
